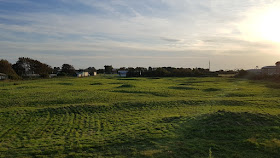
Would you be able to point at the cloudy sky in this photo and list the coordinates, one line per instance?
(232, 34)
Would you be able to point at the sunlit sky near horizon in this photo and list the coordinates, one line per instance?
(239, 34)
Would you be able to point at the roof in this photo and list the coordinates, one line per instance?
(2, 74)
(269, 67)
(254, 70)
(81, 72)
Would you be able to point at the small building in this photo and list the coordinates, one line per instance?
(3, 76)
(94, 73)
(255, 71)
(82, 74)
(52, 75)
(114, 71)
(122, 73)
(271, 70)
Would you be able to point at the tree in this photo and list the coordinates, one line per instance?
(161, 72)
(22, 66)
(100, 71)
(68, 69)
(56, 70)
(242, 73)
(26, 66)
(91, 70)
(6, 68)
(42, 69)
(108, 69)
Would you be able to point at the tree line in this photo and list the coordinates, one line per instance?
(159, 72)
(169, 72)
(26, 67)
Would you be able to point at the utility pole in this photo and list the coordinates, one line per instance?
(209, 65)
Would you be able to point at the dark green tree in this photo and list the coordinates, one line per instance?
(26, 66)
(91, 70)
(68, 69)
(108, 69)
(100, 71)
(6, 68)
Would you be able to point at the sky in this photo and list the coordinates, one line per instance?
(239, 34)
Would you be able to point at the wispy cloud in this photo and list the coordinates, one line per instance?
(175, 29)
(170, 39)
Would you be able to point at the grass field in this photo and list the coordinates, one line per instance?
(139, 117)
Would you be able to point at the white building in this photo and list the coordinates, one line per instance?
(82, 74)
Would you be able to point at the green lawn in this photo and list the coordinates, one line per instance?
(139, 117)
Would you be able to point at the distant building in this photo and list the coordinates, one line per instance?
(3, 76)
(122, 73)
(114, 71)
(56, 70)
(255, 71)
(82, 74)
(271, 70)
(52, 75)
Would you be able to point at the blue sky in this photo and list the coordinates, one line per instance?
(179, 33)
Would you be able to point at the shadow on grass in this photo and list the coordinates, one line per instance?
(78, 91)
(115, 83)
(197, 81)
(126, 86)
(128, 79)
(143, 92)
(211, 90)
(66, 84)
(28, 87)
(154, 78)
(227, 134)
(96, 84)
(239, 95)
(273, 85)
(185, 84)
(183, 88)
